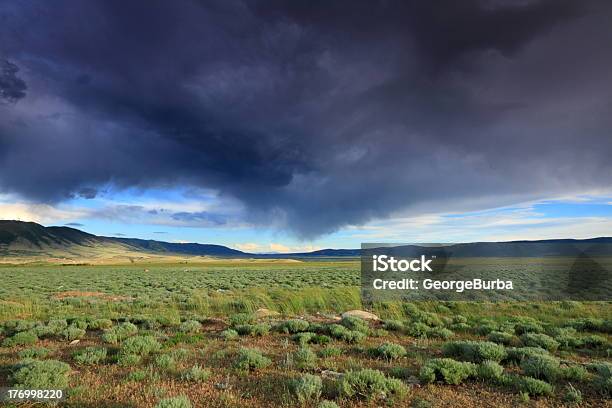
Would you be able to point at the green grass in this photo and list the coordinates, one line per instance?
(190, 330)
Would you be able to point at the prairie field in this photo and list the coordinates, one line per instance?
(261, 333)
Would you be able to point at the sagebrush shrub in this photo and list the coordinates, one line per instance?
(73, 333)
(572, 395)
(602, 380)
(574, 373)
(26, 338)
(119, 333)
(45, 374)
(304, 359)
(541, 367)
(303, 338)
(241, 318)
(165, 362)
(539, 340)
(500, 337)
(389, 351)
(99, 324)
(140, 345)
(393, 325)
(196, 374)
(448, 370)
(474, 351)
(330, 352)
(532, 386)
(368, 384)
(128, 360)
(90, 355)
(229, 334)
(260, 329)
(518, 354)
(175, 402)
(355, 324)
(251, 359)
(307, 388)
(34, 352)
(190, 327)
(489, 371)
(342, 333)
(292, 326)
(417, 329)
(440, 333)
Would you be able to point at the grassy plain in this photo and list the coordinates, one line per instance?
(193, 321)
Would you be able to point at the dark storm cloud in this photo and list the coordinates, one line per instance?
(315, 115)
(12, 88)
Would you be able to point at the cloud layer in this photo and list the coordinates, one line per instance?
(314, 115)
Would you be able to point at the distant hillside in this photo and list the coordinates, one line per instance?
(28, 239)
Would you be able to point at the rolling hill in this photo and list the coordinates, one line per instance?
(28, 240)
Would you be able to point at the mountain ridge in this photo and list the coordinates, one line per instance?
(19, 238)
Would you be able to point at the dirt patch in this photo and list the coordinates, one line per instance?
(96, 295)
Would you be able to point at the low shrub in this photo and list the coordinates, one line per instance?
(368, 384)
(393, 325)
(292, 326)
(594, 341)
(196, 374)
(165, 362)
(602, 380)
(304, 359)
(440, 333)
(528, 327)
(500, 337)
(128, 360)
(587, 324)
(307, 388)
(327, 404)
(572, 395)
(36, 374)
(447, 370)
(475, 351)
(241, 318)
(34, 352)
(342, 333)
(53, 327)
(541, 367)
(229, 334)
(175, 402)
(534, 387)
(73, 333)
(320, 339)
(388, 351)
(253, 329)
(251, 359)
(190, 327)
(100, 324)
(489, 371)
(140, 345)
(303, 338)
(330, 352)
(517, 354)
(120, 332)
(574, 373)
(539, 340)
(355, 324)
(26, 338)
(417, 329)
(90, 355)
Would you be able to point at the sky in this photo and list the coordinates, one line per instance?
(275, 126)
